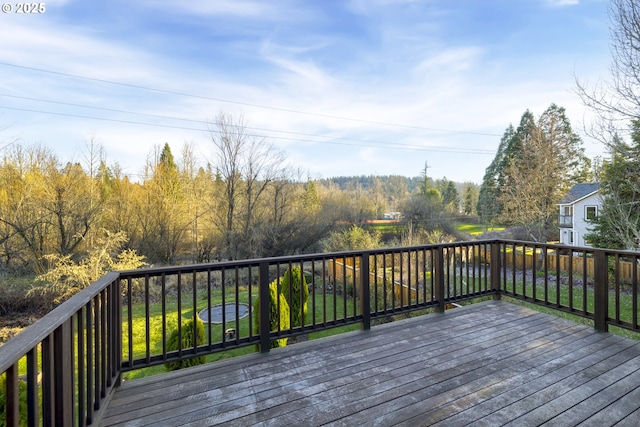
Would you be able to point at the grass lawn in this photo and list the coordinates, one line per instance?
(390, 227)
(139, 346)
(476, 229)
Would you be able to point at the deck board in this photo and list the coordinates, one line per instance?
(488, 364)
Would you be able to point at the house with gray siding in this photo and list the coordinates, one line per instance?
(577, 210)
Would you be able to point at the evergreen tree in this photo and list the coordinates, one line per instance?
(470, 198)
(425, 182)
(617, 225)
(450, 196)
(191, 336)
(279, 315)
(533, 169)
(296, 292)
(489, 207)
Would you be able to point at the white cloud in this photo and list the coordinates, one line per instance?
(562, 3)
(450, 60)
(73, 51)
(256, 10)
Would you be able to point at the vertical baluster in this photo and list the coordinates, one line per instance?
(48, 380)
(163, 303)
(147, 319)
(617, 287)
(103, 345)
(97, 304)
(194, 302)
(32, 388)
(12, 401)
(439, 277)
(250, 279)
(90, 360)
(312, 290)
(82, 372)
(384, 281)
(324, 292)
(634, 293)
(130, 321)
(179, 284)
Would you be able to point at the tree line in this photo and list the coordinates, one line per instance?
(246, 201)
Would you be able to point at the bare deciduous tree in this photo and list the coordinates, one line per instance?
(616, 104)
(247, 165)
(616, 100)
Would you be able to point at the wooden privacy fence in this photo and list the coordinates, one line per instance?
(578, 263)
(347, 270)
(410, 273)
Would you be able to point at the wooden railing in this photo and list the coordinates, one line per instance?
(60, 370)
(63, 368)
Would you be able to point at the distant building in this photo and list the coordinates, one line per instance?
(577, 209)
(392, 215)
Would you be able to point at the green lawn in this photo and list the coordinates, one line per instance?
(383, 228)
(323, 310)
(476, 229)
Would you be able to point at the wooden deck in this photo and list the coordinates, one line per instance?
(487, 364)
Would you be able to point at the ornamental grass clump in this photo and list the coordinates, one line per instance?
(188, 342)
(296, 291)
(278, 319)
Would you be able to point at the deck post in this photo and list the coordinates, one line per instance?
(438, 265)
(601, 292)
(263, 298)
(365, 292)
(118, 331)
(495, 270)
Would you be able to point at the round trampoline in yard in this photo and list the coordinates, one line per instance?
(214, 314)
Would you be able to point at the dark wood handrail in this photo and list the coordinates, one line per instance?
(46, 325)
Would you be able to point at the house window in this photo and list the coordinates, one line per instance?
(591, 213)
(567, 211)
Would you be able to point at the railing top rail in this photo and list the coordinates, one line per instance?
(569, 248)
(138, 273)
(18, 346)
(532, 244)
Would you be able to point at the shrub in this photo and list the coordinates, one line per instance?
(188, 341)
(276, 319)
(68, 276)
(382, 297)
(294, 286)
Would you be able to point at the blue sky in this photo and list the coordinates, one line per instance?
(354, 87)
